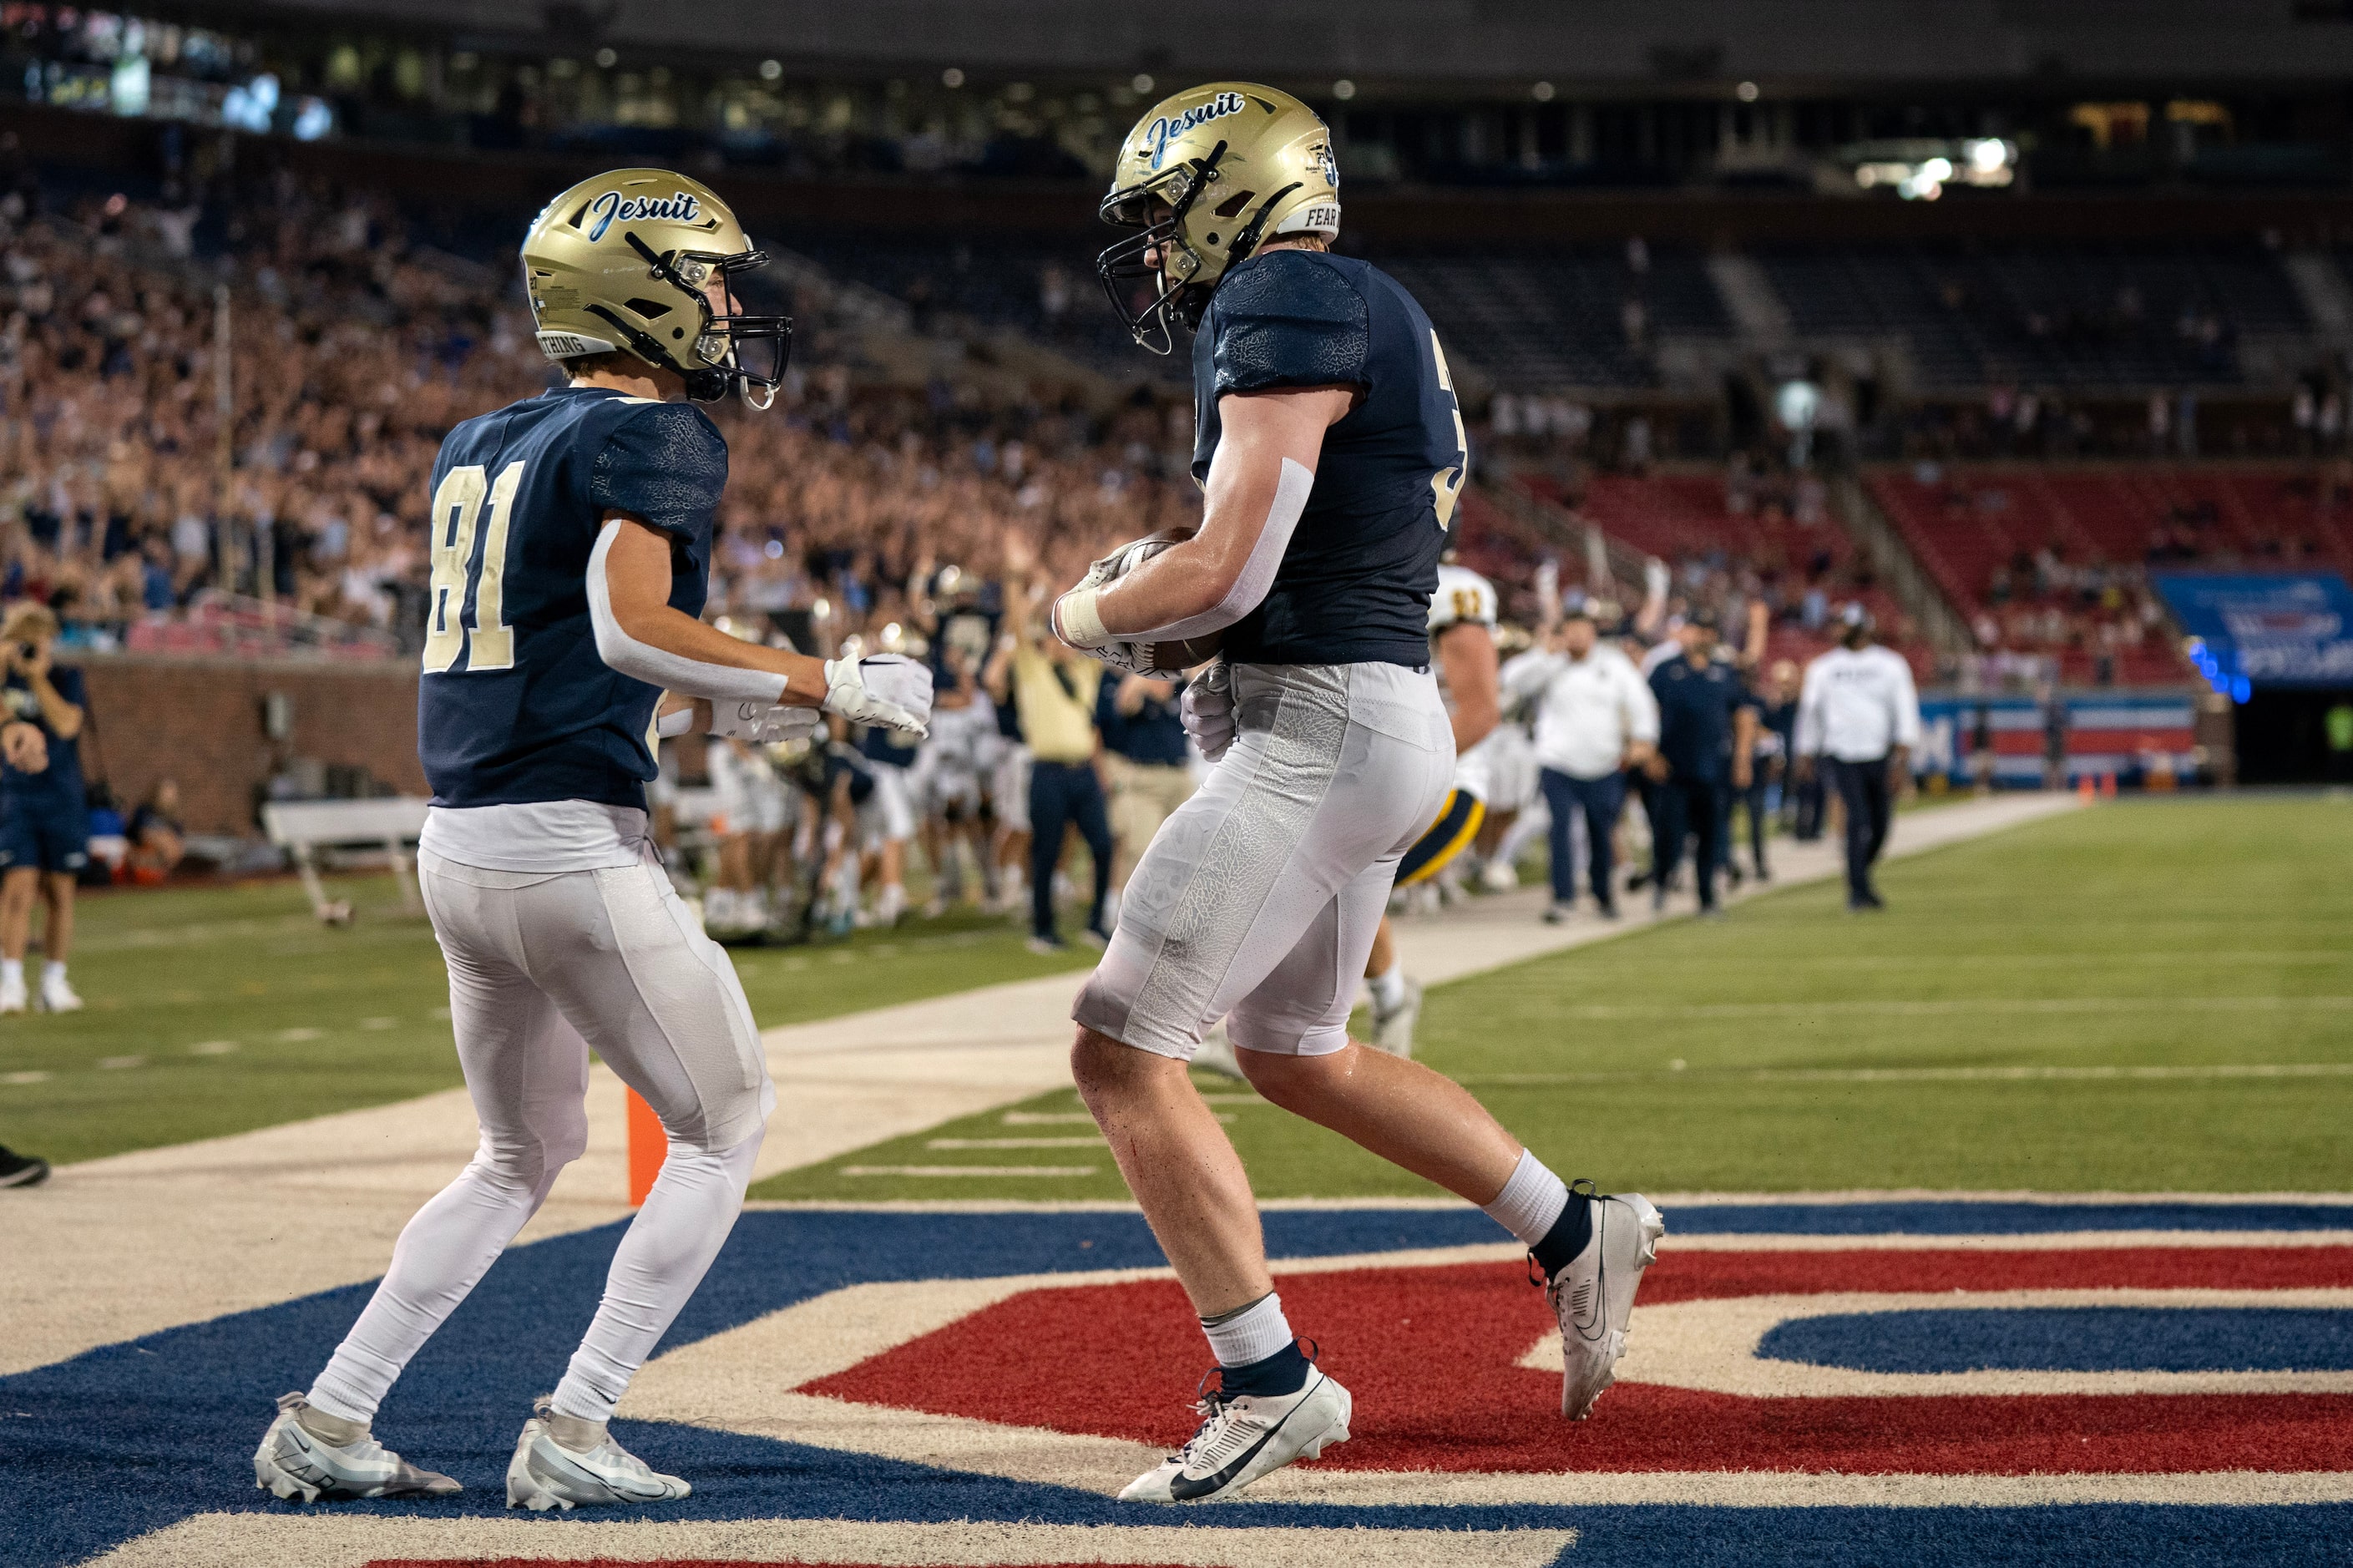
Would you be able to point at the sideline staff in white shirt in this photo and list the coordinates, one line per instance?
(1595, 718)
(1860, 716)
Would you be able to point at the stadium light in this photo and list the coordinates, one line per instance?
(1919, 168)
(1142, 83)
(1344, 90)
(952, 77)
(1542, 91)
(771, 70)
(1746, 92)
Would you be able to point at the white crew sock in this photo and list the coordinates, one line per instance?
(1531, 1202)
(12, 970)
(1251, 1334)
(53, 972)
(1389, 988)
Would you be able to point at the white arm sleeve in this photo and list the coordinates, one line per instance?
(1257, 577)
(657, 667)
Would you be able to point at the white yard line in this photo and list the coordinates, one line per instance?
(229, 1223)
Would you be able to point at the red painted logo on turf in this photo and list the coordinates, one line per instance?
(2131, 1359)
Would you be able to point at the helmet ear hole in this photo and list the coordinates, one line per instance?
(651, 309)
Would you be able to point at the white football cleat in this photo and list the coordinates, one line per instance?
(297, 1464)
(1593, 1295)
(544, 1474)
(1393, 1030)
(1500, 877)
(1242, 1437)
(12, 993)
(56, 997)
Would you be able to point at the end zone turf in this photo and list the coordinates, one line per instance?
(851, 1377)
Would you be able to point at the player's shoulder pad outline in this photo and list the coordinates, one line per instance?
(1289, 317)
(665, 462)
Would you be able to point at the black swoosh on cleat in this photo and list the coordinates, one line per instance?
(1183, 1490)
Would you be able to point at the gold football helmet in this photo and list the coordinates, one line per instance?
(1207, 175)
(623, 262)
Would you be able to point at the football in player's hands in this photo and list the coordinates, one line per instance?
(886, 688)
(1159, 659)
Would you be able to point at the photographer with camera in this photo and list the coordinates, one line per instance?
(44, 814)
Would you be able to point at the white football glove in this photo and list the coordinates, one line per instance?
(1208, 711)
(764, 724)
(886, 688)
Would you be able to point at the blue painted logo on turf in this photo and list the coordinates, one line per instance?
(134, 1438)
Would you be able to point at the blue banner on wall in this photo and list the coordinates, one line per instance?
(2273, 630)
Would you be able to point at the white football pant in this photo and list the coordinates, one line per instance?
(1260, 896)
(544, 965)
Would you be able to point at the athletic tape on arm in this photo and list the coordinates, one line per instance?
(1257, 577)
(659, 667)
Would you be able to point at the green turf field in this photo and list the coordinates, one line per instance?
(2150, 996)
(219, 1010)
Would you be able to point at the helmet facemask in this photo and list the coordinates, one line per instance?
(716, 358)
(1156, 252)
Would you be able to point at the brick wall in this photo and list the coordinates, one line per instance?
(200, 721)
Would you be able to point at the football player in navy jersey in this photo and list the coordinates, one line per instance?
(571, 545)
(1331, 453)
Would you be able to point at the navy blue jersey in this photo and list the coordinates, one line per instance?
(516, 706)
(60, 783)
(1354, 585)
(1695, 716)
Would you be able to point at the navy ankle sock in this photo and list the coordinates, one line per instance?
(1567, 1236)
(1284, 1371)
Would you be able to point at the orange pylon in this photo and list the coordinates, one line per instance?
(2107, 786)
(2085, 791)
(649, 1146)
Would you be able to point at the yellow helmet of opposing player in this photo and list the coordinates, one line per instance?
(623, 262)
(1206, 176)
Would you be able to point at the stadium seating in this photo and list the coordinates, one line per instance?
(1541, 321)
(2057, 315)
(1683, 520)
(2013, 544)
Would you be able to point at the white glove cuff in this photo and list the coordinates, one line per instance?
(1076, 621)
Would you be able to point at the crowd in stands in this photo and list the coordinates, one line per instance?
(356, 348)
(355, 343)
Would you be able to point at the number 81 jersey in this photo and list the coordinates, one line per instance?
(516, 706)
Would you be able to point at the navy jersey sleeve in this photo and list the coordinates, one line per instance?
(665, 462)
(67, 679)
(1286, 319)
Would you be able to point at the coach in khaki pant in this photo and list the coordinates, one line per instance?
(1146, 763)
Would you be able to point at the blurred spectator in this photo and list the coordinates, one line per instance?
(1146, 759)
(158, 840)
(1055, 688)
(43, 812)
